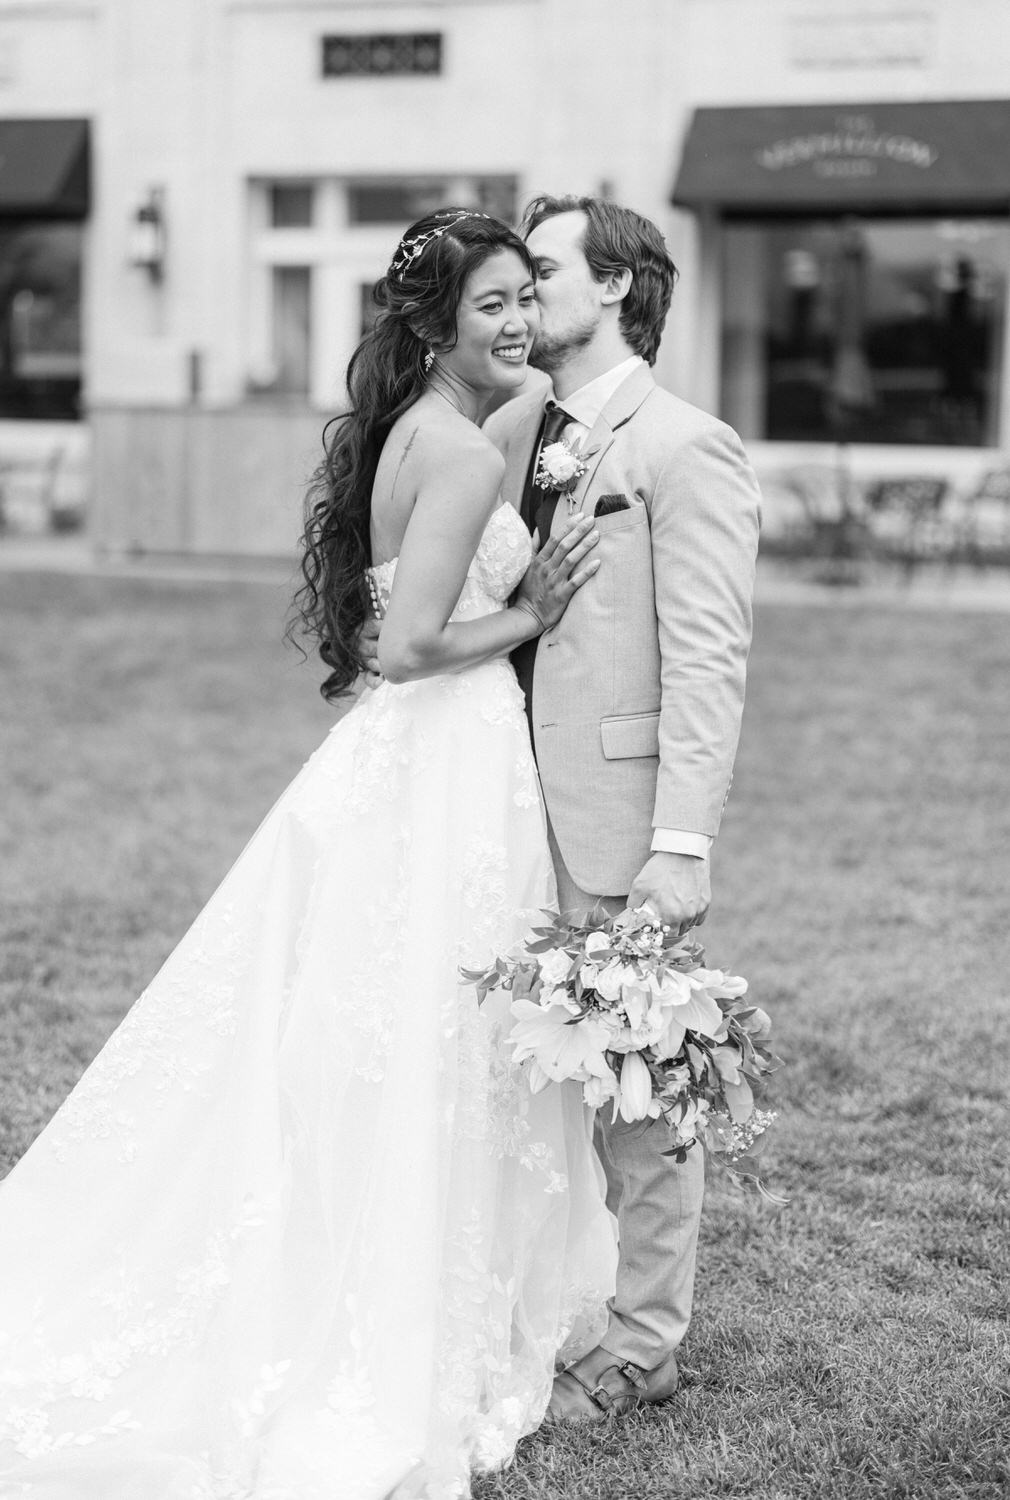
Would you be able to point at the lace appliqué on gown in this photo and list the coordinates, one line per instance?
(300, 1232)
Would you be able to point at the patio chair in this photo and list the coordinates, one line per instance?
(834, 523)
(986, 536)
(909, 521)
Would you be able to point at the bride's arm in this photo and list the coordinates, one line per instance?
(454, 502)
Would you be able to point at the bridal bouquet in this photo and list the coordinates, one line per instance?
(627, 1009)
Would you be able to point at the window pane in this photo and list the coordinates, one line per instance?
(495, 196)
(291, 205)
(395, 202)
(885, 331)
(40, 321)
(386, 54)
(292, 328)
(400, 202)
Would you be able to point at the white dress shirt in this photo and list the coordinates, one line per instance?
(583, 407)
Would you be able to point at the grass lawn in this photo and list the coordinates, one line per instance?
(855, 1344)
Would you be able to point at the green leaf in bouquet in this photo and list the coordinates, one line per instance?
(755, 1022)
(474, 976)
(526, 980)
(679, 1153)
(739, 1100)
(749, 1170)
(695, 1056)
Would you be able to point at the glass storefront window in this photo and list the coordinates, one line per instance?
(40, 320)
(872, 330)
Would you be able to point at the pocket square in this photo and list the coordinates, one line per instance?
(607, 504)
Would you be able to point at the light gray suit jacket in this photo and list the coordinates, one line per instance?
(638, 691)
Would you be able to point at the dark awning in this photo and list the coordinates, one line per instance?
(848, 156)
(44, 169)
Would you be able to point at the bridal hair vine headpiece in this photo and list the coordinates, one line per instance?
(408, 250)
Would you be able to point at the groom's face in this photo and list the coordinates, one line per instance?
(569, 297)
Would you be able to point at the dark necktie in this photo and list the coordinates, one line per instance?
(556, 419)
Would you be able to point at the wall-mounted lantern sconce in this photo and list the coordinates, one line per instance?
(146, 239)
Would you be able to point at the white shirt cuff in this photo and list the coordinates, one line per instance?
(674, 841)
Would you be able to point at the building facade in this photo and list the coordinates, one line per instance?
(197, 195)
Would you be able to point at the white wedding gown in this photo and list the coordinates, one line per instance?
(300, 1232)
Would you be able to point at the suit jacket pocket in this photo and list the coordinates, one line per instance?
(631, 515)
(606, 505)
(629, 735)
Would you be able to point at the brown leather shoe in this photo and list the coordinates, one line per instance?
(598, 1386)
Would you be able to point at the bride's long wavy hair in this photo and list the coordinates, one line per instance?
(418, 299)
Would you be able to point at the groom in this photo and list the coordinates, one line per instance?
(635, 697)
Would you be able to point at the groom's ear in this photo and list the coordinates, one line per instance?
(616, 285)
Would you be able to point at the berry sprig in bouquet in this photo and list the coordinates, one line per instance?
(628, 1009)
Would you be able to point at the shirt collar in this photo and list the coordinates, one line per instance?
(586, 404)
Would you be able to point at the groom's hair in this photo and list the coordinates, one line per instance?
(616, 238)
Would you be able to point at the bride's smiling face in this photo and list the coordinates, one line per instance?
(496, 321)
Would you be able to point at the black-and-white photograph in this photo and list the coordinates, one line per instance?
(504, 817)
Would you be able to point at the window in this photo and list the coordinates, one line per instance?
(316, 249)
(292, 329)
(872, 330)
(395, 201)
(387, 54)
(291, 205)
(401, 200)
(40, 320)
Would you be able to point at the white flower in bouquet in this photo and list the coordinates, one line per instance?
(561, 1048)
(609, 980)
(636, 1088)
(555, 967)
(723, 986)
(674, 988)
(597, 1090)
(636, 1002)
(698, 1013)
(693, 1116)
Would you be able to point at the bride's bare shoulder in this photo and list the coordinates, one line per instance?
(444, 444)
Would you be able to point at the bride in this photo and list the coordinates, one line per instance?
(300, 1233)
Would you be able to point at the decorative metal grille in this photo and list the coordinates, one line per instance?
(382, 55)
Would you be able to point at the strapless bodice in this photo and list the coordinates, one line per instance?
(502, 557)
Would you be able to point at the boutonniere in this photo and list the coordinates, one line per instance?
(561, 467)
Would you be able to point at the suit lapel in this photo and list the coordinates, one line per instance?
(619, 409)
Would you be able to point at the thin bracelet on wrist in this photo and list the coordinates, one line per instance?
(528, 609)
